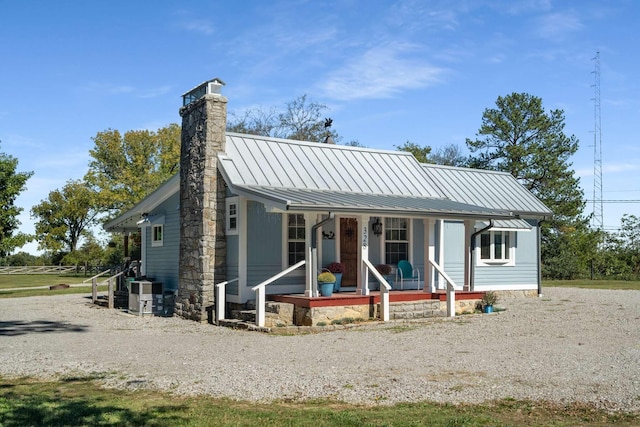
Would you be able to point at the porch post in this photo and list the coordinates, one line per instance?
(468, 232)
(427, 255)
(363, 253)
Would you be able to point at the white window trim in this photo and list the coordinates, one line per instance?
(159, 242)
(497, 262)
(285, 242)
(383, 239)
(229, 202)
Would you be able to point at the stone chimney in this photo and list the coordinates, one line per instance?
(202, 200)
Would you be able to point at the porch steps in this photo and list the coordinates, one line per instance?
(415, 310)
(276, 313)
(241, 324)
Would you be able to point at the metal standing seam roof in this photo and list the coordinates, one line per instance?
(295, 175)
(490, 189)
(278, 163)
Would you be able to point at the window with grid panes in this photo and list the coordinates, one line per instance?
(296, 238)
(396, 236)
(495, 246)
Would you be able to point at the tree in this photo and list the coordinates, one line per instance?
(126, 168)
(519, 137)
(302, 120)
(629, 248)
(90, 253)
(420, 153)
(12, 183)
(449, 155)
(65, 216)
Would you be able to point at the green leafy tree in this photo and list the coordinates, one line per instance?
(65, 216)
(449, 155)
(572, 252)
(12, 183)
(519, 137)
(126, 168)
(629, 248)
(302, 119)
(420, 153)
(90, 253)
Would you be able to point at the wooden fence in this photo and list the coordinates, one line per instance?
(50, 269)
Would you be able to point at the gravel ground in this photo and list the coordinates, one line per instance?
(570, 345)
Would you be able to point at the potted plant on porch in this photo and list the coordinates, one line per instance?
(488, 300)
(385, 270)
(337, 268)
(326, 282)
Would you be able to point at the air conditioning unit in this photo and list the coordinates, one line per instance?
(146, 297)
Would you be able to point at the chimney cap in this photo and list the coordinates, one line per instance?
(208, 87)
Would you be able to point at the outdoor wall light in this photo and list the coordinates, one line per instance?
(377, 227)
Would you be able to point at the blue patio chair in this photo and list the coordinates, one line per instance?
(408, 274)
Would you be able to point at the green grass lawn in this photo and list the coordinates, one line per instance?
(27, 281)
(593, 284)
(80, 401)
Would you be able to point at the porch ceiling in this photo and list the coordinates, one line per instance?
(296, 199)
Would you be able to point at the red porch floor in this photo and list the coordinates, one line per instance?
(351, 298)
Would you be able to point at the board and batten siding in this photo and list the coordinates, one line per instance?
(162, 261)
(264, 251)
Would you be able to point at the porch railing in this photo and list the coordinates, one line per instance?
(110, 289)
(220, 298)
(90, 279)
(384, 290)
(259, 289)
(451, 289)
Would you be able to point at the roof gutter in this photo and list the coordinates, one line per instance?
(472, 248)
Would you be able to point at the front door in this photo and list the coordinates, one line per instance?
(349, 250)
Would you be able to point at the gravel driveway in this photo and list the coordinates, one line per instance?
(569, 345)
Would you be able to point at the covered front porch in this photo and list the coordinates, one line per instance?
(352, 307)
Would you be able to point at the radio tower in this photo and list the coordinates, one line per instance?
(597, 220)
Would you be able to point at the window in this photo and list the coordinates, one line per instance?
(232, 207)
(296, 246)
(495, 247)
(396, 235)
(157, 235)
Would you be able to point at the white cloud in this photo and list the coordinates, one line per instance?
(620, 167)
(380, 72)
(557, 25)
(157, 91)
(199, 26)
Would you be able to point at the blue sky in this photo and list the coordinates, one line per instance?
(389, 71)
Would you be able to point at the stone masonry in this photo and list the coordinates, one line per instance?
(202, 198)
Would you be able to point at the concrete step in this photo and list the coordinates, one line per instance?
(240, 324)
(244, 315)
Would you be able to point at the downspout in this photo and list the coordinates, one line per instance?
(314, 252)
(472, 248)
(538, 242)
